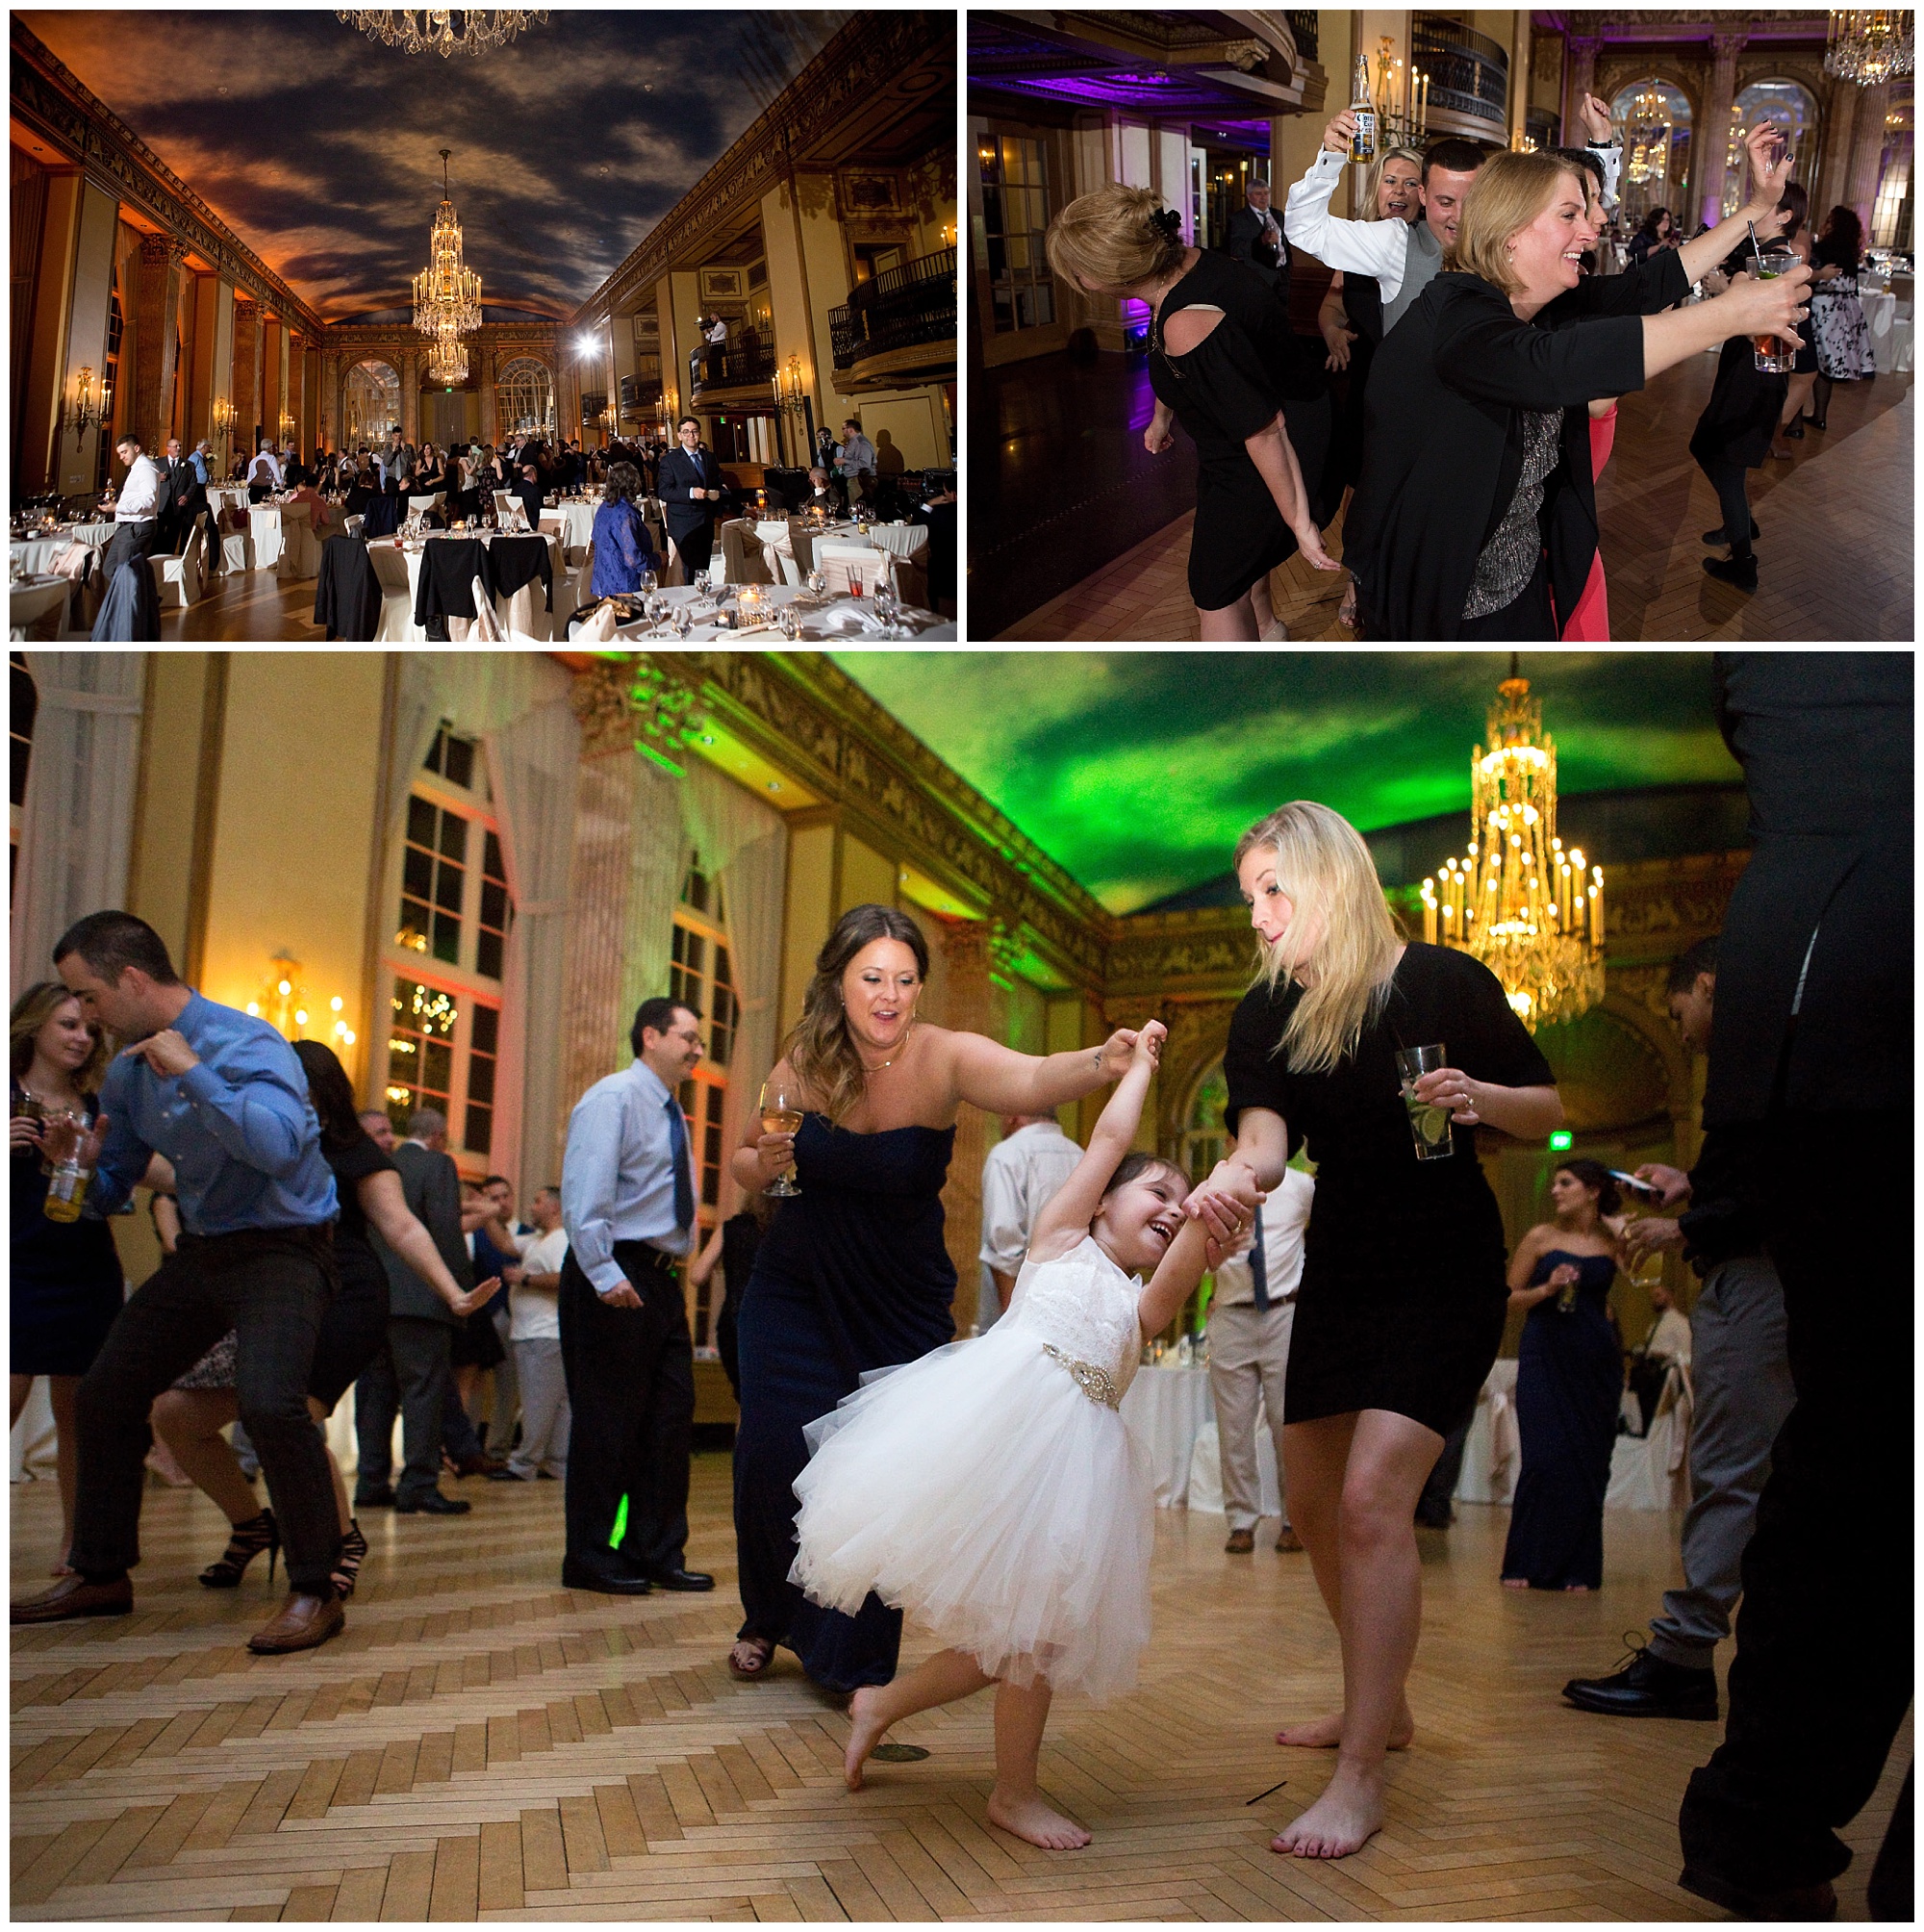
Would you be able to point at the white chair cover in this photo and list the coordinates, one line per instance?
(486, 627)
(416, 504)
(300, 553)
(506, 502)
(236, 550)
(38, 612)
(397, 600)
(265, 527)
(179, 580)
(741, 560)
(848, 564)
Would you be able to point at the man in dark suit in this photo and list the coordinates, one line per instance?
(1255, 239)
(182, 497)
(414, 1375)
(1812, 1079)
(691, 494)
(527, 487)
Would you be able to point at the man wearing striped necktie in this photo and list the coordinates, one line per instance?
(627, 1202)
(1251, 1314)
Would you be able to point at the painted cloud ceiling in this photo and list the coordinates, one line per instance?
(318, 147)
(1139, 770)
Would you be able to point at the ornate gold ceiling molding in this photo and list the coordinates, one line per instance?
(46, 96)
(874, 55)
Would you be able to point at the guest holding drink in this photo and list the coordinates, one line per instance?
(1569, 1381)
(1401, 1304)
(1796, 237)
(852, 1275)
(1837, 314)
(66, 1282)
(1658, 232)
(1224, 364)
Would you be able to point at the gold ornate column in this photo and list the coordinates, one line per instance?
(409, 362)
(590, 1016)
(490, 426)
(1866, 152)
(1840, 107)
(156, 337)
(1711, 140)
(246, 390)
(330, 399)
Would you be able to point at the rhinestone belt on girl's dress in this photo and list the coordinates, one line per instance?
(1096, 1383)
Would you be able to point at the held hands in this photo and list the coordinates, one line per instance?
(1226, 1205)
(1651, 1235)
(1340, 132)
(1147, 1051)
(1117, 1052)
(165, 1054)
(1672, 1181)
(1595, 115)
(1454, 1088)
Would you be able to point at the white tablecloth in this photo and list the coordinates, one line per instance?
(1205, 1469)
(834, 619)
(397, 567)
(39, 602)
(226, 497)
(1493, 1450)
(574, 521)
(1166, 1409)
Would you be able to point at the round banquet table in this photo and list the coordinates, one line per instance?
(36, 603)
(574, 523)
(35, 555)
(1167, 1407)
(846, 618)
(226, 497)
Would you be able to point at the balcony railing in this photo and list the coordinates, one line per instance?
(899, 309)
(1303, 26)
(742, 359)
(1469, 72)
(637, 391)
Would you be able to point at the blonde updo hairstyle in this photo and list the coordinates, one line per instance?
(1327, 873)
(1509, 191)
(1114, 238)
(819, 1051)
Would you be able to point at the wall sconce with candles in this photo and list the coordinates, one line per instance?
(88, 402)
(286, 1005)
(793, 399)
(222, 416)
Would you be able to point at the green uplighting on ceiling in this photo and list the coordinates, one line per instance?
(1139, 771)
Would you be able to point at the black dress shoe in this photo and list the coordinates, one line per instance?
(578, 1576)
(1802, 1905)
(504, 1474)
(681, 1579)
(1648, 1686)
(431, 1504)
(375, 1499)
(1739, 571)
(1795, 433)
(1721, 536)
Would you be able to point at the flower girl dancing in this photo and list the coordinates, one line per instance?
(991, 1489)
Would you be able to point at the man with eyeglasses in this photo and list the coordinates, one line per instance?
(628, 1192)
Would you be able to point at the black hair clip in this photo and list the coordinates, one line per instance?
(1167, 224)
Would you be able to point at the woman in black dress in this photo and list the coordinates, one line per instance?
(1796, 237)
(852, 1275)
(1569, 1385)
(1401, 1310)
(1222, 363)
(1475, 518)
(66, 1284)
(191, 1414)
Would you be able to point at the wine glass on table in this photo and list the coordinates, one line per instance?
(781, 1112)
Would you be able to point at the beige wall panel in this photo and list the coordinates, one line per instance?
(868, 878)
(811, 888)
(159, 873)
(903, 427)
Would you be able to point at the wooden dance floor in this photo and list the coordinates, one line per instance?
(482, 1744)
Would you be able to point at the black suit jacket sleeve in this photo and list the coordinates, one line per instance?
(1484, 351)
(1641, 290)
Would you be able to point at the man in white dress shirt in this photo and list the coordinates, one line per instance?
(136, 509)
(628, 1203)
(1250, 1316)
(1019, 1179)
(535, 1341)
(264, 473)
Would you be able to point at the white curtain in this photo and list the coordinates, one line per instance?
(77, 821)
(744, 843)
(659, 847)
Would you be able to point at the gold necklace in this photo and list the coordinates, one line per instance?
(893, 1058)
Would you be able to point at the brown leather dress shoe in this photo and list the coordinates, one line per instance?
(1241, 1542)
(1287, 1540)
(479, 1465)
(74, 1596)
(305, 1621)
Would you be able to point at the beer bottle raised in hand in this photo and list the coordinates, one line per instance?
(1363, 143)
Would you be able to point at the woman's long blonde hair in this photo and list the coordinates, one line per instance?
(31, 1010)
(1373, 181)
(819, 1052)
(1326, 870)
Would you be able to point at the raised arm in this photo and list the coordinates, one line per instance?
(1379, 248)
(386, 1207)
(1000, 1080)
(1179, 1270)
(1073, 1207)
(1767, 184)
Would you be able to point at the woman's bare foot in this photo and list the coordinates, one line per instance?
(1029, 1817)
(1324, 1734)
(750, 1656)
(866, 1726)
(1342, 1821)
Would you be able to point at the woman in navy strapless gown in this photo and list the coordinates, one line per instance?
(1569, 1385)
(852, 1275)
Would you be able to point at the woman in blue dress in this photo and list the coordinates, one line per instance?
(65, 1281)
(621, 547)
(852, 1275)
(1569, 1385)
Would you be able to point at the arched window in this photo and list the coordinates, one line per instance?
(1204, 1140)
(110, 379)
(1656, 119)
(524, 398)
(374, 403)
(1793, 108)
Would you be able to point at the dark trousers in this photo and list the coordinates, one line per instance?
(458, 1434)
(631, 1391)
(696, 546)
(1815, 1702)
(411, 1375)
(1731, 481)
(271, 1287)
(1434, 1508)
(129, 542)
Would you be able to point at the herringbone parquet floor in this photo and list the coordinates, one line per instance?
(481, 1742)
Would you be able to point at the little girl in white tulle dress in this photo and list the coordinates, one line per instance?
(991, 1491)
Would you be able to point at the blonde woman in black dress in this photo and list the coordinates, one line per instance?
(1223, 364)
(1403, 1300)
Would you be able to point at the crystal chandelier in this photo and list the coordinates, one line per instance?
(422, 30)
(1528, 909)
(1870, 47)
(447, 294)
(447, 360)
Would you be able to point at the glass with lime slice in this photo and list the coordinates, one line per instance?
(1428, 1125)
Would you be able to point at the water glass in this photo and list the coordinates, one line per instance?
(1775, 355)
(1428, 1125)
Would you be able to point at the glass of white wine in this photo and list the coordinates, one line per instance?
(781, 1114)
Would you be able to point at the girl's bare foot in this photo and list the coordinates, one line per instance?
(1342, 1821)
(750, 1656)
(1324, 1734)
(866, 1726)
(1029, 1817)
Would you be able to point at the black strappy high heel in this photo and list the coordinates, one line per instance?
(244, 1542)
(347, 1565)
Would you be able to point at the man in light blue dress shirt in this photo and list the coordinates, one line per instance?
(223, 1098)
(628, 1194)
